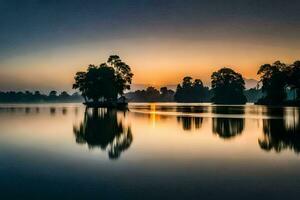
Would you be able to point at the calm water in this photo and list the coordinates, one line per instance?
(152, 151)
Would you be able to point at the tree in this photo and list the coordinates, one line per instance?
(166, 95)
(101, 83)
(199, 91)
(164, 90)
(64, 96)
(294, 78)
(253, 94)
(190, 91)
(53, 93)
(151, 94)
(122, 72)
(81, 84)
(228, 87)
(274, 80)
(37, 93)
(104, 82)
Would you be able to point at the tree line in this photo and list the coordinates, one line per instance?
(38, 97)
(151, 94)
(191, 91)
(278, 83)
(112, 79)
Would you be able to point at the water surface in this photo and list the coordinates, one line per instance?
(151, 151)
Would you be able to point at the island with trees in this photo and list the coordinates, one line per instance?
(104, 85)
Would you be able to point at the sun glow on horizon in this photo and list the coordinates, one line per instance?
(153, 62)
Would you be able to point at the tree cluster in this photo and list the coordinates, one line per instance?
(151, 94)
(253, 94)
(194, 91)
(228, 87)
(276, 78)
(104, 82)
(191, 91)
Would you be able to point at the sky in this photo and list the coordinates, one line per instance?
(44, 43)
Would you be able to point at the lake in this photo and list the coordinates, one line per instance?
(151, 151)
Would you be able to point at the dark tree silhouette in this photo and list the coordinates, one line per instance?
(122, 72)
(189, 91)
(166, 95)
(98, 82)
(104, 82)
(102, 129)
(36, 97)
(253, 94)
(81, 84)
(64, 94)
(151, 94)
(52, 95)
(228, 87)
(274, 80)
(294, 78)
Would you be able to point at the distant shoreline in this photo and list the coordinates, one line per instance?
(290, 104)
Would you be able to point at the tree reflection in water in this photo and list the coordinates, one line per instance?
(100, 128)
(281, 131)
(228, 127)
(189, 122)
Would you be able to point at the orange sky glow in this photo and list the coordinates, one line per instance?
(153, 61)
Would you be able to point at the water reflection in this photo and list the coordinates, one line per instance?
(226, 126)
(52, 110)
(27, 110)
(45, 152)
(33, 109)
(64, 111)
(189, 122)
(101, 128)
(281, 131)
(269, 128)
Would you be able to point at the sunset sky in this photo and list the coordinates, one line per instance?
(43, 43)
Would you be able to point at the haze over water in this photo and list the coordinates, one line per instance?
(166, 150)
